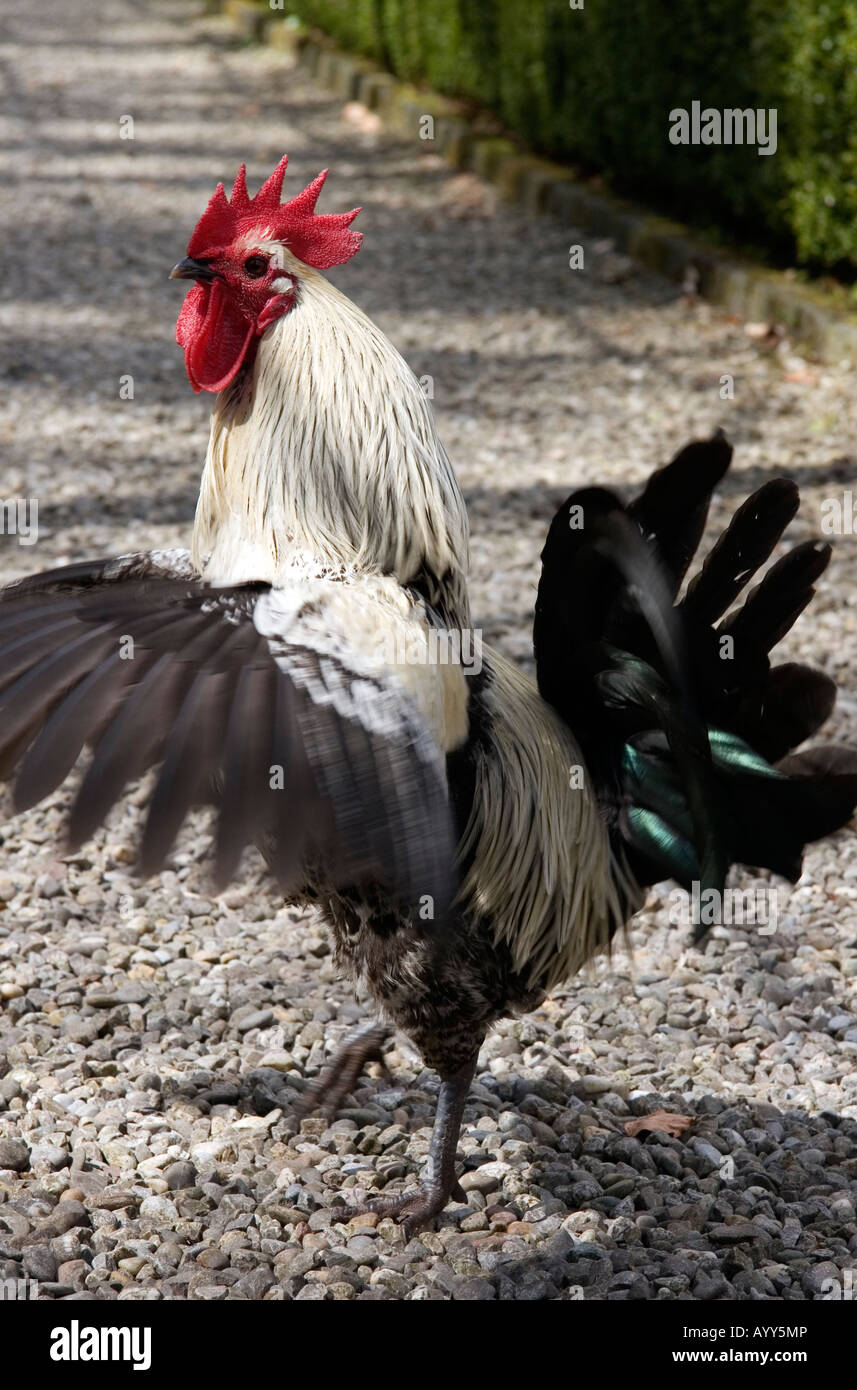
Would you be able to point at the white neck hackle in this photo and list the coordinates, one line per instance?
(326, 448)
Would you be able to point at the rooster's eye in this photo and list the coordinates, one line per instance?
(255, 266)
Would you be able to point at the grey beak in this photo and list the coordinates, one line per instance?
(189, 269)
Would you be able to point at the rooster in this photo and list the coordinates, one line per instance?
(471, 835)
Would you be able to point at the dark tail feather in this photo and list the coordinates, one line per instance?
(828, 776)
(673, 506)
(743, 548)
(790, 707)
(772, 608)
(768, 814)
(680, 729)
(775, 811)
(825, 760)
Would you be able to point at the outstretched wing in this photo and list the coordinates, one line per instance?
(258, 700)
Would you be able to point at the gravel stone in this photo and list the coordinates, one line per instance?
(179, 1176)
(14, 1155)
(40, 1263)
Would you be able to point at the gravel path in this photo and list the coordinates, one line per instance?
(155, 1037)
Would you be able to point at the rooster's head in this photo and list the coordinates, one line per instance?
(246, 256)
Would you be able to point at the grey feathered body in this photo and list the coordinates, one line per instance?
(441, 995)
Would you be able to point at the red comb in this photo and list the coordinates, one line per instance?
(318, 241)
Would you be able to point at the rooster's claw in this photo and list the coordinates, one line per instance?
(329, 1089)
(413, 1209)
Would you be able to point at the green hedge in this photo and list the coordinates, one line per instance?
(596, 85)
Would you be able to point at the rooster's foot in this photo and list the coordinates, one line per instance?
(339, 1077)
(416, 1208)
(413, 1209)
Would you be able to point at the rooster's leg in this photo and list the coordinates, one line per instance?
(340, 1076)
(414, 1209)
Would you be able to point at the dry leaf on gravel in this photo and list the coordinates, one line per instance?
(661, 1122)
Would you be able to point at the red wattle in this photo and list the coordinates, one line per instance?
(215, 336)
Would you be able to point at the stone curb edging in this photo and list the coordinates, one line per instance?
(670, 249)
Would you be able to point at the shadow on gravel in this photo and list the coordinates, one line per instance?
(751, 1203)
(170, 508)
